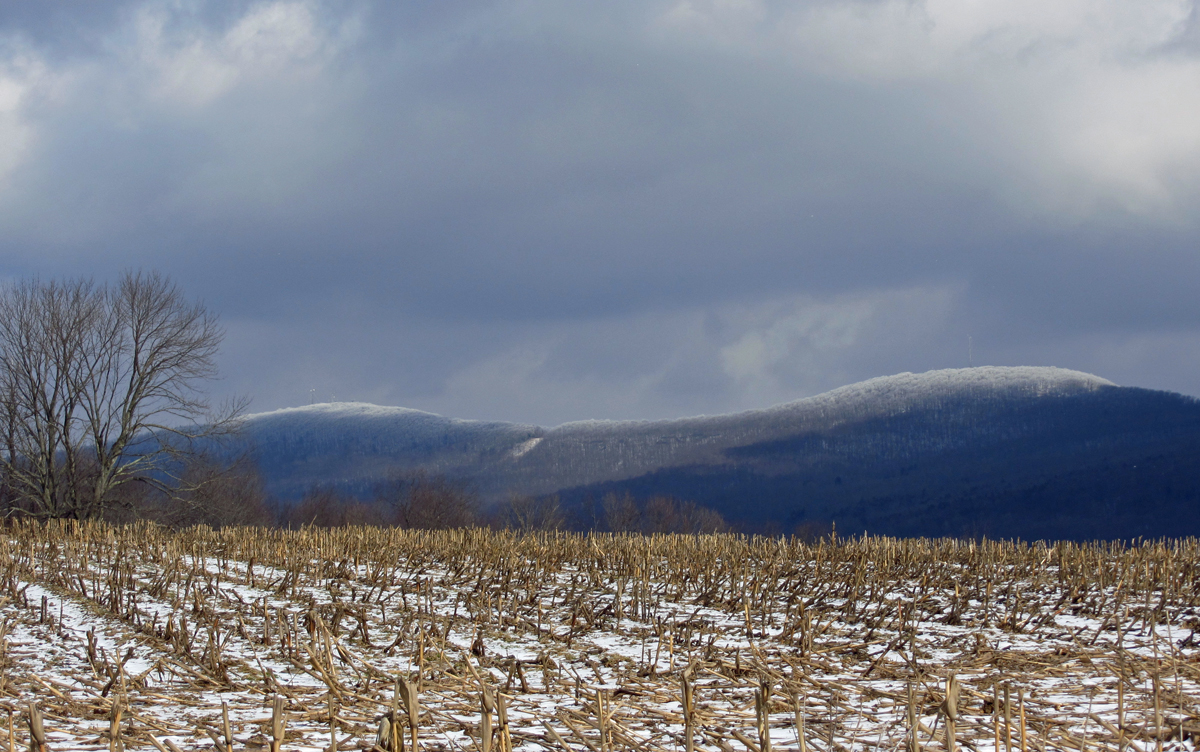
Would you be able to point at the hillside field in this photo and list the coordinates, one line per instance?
(143, 638)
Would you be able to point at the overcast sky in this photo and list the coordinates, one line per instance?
(544, 210)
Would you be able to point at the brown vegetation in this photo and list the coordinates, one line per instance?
(658, 514)
(428, 502)
(494, 640)
(529, 513)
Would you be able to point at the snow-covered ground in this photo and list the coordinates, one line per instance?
(171, 625)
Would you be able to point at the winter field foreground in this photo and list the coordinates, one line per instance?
(145, 638)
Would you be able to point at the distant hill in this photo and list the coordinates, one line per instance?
(1003, 452)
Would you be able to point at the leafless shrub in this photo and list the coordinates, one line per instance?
(326, 507)
(659, 514)
(665, 514)
(528, 513)
(216, 494)
(811, 531)
(621, 513)
(427, 502)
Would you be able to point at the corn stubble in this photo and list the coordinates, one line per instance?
(378, 639)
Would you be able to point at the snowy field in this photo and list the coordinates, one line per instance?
(141, 638)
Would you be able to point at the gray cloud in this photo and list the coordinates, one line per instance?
(540, 211)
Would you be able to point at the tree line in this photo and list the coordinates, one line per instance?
(422, 501)
(220, 496)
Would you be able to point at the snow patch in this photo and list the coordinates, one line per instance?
(523, 448)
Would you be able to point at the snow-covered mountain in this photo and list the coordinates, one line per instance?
(354, 445)
(1027, 452)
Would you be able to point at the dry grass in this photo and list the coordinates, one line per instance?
(135, 636)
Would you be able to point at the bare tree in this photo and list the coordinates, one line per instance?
(217, 494)
(659, 514)
(43, 329)
(665, 514)
(322, 506)
(526, 513)
(325, 506)
(100, 387)
(427, 502)
(621, 513)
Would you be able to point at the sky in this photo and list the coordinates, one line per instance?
(543, 211)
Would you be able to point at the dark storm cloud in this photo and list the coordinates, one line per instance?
(540, 211)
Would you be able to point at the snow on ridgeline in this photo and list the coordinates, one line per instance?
(362, 429)
(1029, 381)
(1032, 381)
(325, 411)
(578, 453)
(890, 393)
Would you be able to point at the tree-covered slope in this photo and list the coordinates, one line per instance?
(1114, 462)
(1032, 452)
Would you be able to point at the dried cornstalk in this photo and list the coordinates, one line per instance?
(37, 735)
(114, 729)
(950, 712)
(801, 740)
(278, 723)
(688, 712)
(762, 713)
(408, 696)
(502, 717)
(226, 728)
(486, 705)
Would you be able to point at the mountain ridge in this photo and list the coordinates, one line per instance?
(501, 457)
(883, 447)
(1043, 377)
